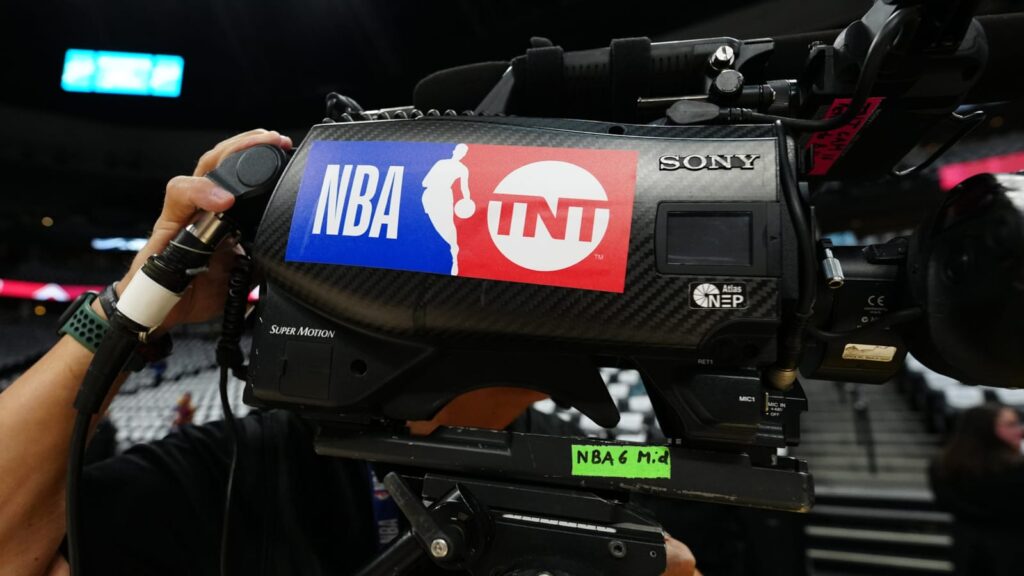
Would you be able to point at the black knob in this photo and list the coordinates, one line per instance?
(258, 166)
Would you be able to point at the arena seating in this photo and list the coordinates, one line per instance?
(869, 452)
(148, 413)
(637, 422)
(940, 399)
(143, 410)
(879, 518)
(23, 342)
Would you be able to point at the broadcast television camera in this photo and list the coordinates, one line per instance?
(642, 206)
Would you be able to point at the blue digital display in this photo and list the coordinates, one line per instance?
(122, 73)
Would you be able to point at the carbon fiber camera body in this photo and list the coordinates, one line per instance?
(683, 260)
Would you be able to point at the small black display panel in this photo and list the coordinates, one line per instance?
(709, 239)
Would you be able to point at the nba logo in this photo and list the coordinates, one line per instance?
(551, 216)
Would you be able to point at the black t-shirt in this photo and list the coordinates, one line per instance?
(988, 512)
(158, 508)
(995, 501)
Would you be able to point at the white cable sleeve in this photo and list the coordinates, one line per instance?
(146, 302)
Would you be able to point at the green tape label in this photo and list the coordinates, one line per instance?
(621, 461)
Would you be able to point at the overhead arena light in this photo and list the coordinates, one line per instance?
(122, 73)
(118, 244)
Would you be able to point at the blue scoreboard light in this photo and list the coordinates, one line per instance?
(130, 73)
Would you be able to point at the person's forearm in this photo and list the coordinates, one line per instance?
(37, 413)
(36, 418)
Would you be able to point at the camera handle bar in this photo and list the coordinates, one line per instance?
(487, 527)
(520, 527)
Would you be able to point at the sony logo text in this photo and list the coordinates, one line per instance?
(695, 162)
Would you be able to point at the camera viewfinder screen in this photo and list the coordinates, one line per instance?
(709, 239)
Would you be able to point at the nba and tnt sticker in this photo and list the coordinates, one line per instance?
(718, 295)
(551, 216)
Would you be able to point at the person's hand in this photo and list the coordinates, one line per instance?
(185, 195)
(679, 560)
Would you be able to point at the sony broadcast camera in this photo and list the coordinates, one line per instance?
(640, 206)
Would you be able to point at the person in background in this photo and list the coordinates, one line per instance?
(184, 410)
(979, 477)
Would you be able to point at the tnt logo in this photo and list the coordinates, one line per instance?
(552, 216)
(549, 215)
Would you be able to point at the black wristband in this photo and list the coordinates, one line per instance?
(108, 300)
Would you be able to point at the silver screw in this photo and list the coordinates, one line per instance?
(439, 548)
(833, 270)
(723, 58)
(544, 574)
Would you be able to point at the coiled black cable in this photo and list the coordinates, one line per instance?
(230, 357)
(229, 351)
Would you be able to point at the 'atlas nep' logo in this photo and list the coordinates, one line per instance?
(553, 216)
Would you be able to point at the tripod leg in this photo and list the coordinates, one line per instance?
(400, 558)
